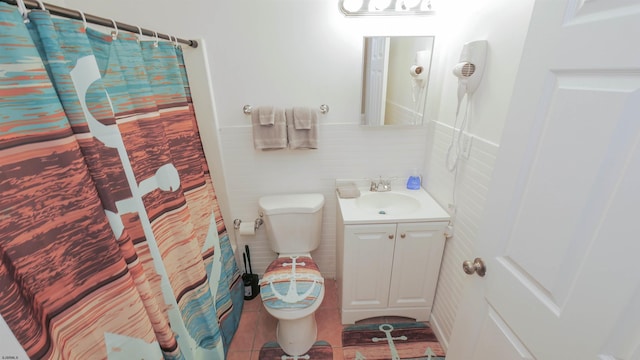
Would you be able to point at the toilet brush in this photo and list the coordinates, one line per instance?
(246, 279)
(250, 280)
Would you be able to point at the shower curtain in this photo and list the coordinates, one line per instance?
(112, 244)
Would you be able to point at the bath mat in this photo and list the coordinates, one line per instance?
(391, 341)
(321, 350)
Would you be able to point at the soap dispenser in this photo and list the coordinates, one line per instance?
(414, 182)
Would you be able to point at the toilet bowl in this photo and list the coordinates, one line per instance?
(292, 287)
(292, 290)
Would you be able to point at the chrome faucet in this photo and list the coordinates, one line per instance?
(380, 186)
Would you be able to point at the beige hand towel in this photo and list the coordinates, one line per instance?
(302, 117)
(269, 137)
(302, 138)
(267, 115)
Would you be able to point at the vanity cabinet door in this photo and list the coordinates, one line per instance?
(368, 258)
(416, 264)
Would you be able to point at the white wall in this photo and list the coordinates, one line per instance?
(292, 52)
(504, 25)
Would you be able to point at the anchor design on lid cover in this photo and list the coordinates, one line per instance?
(292, 295)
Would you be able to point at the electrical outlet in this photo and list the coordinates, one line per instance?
(467, 140)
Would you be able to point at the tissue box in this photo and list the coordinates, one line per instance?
(348, 191)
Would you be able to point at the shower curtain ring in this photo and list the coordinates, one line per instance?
(140, 34)
(114, 34)
(84, 19)
(23, 11)
(41, 5)
(155, 44)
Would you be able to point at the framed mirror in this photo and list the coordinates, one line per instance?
(395, 79)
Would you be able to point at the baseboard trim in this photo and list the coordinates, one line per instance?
(433, 322)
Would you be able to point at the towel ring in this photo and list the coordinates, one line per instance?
(247, 109)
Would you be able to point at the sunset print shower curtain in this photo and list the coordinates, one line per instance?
(112, 245)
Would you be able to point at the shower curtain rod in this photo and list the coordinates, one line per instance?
(75, 14)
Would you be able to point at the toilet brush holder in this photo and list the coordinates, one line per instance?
(250, 280)
(251, 287)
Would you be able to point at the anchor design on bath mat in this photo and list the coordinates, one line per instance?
(292, 295)
(387, 329)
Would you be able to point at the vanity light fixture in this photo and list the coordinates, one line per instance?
(385, 7)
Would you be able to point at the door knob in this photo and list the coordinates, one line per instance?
(475, 266)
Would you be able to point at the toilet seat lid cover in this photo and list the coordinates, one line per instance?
(291, 282)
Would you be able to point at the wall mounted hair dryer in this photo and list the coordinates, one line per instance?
(419, 73)
(470, 68)
(420, 69)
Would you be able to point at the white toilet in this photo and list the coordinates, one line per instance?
(292, 287)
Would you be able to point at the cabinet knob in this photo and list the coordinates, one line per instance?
(391, 236)
(403, 235)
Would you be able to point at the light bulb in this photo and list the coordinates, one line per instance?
(377, 5)
(410, 4)
(352, 5)
(426, 5)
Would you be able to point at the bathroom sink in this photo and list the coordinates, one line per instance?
(388, 202)
(398, 205)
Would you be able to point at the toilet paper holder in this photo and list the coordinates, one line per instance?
(257, 222)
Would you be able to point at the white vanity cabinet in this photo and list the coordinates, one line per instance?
(388, 269)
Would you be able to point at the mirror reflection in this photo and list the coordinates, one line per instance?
(395, 79)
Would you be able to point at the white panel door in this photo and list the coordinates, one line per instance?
(560, 237)
(416, 264)
(368, 255)
(377, 65)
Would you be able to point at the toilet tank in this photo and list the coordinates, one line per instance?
(293, 222)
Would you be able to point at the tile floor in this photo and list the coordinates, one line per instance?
(258, 327)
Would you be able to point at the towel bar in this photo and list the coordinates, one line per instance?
(324, 108)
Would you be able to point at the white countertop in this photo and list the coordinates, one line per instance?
(427, 210)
